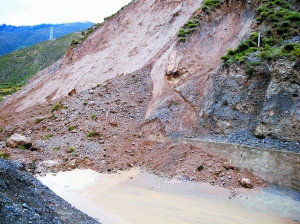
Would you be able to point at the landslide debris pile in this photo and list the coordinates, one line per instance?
(117, 97)
(103, 129)
(24, 199)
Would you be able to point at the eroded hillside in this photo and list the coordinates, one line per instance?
(152, 73)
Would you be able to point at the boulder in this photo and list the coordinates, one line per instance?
(228, 166)
(245, 182)
(18, 140)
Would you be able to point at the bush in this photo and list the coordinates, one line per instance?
(55, 107)
(200, 167)
(93, 116)
(4, 155)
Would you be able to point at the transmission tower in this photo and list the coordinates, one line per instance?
(51, 33)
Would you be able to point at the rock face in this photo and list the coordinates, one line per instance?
(23, 199)
(18, 140)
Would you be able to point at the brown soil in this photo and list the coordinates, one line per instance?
(119, 141)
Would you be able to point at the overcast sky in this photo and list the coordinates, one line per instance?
(33, 12)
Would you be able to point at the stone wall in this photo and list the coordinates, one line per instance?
(277, 167)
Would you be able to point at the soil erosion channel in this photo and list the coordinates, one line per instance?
(137, 197)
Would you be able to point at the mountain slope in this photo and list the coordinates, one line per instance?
(154, 73)
(17, 37)
(18, 67)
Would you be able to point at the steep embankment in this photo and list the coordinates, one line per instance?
(134, 80)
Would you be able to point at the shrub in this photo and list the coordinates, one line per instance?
(93, 116)
(65, 107)
(55, 149)
(293, 16)
(85, 103)
(200, 167)
(4, 155)
(55, 107)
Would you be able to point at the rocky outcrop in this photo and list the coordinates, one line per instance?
(18, 140)
(24, 199)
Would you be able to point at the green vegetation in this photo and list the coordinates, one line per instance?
(112, 15)
(21, 147)
(1, 129)
(282, 24)
(55, 107)
(4, 155)
(47, 136)
(17, 67)
(209, 5)
(38, 120)
(200, 167)
(71, 128)
(20, 37)
(188, 28)
(92, 134)
(65, 107)
(98, 85)
(85, 103)
(71, 149)
(93, 116)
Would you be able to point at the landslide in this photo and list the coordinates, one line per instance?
(104, 129)
(24, 199)
(133, 84)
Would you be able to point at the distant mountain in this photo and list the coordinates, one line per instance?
(17, 37)
(19, 66)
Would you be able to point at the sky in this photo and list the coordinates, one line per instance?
(33, 12)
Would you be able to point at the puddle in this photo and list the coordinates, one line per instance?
(136, 197)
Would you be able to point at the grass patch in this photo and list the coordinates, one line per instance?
(38, 120)
(93, 116)
(71, 128)
(282, 24)
(92, 134)
(55, 107)
(210, 5)
(4, 155)
(21, 147)
(72, 149)
(47, 136)
(55, 149)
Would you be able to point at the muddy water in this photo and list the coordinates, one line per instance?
(136, 197)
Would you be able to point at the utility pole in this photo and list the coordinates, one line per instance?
(51, 33)
(258, 40)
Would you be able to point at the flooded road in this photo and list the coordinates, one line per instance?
(136, 197)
